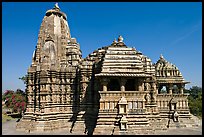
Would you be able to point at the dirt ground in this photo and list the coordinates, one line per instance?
(8, 128)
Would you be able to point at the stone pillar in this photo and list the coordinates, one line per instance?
(181, 88)
(102, 105)
(170, 88)
(154, 87)
(104, 87)
(63, 97)
(122, 84)
(184, 104)
(187, 103)
(104, 82)
(143, 105)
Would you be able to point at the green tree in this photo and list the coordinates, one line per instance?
(7, 94)
(23, 78)
(195, 91)
(195, 100)
(21, 92)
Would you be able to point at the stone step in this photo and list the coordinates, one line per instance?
(137, 120)
(105, 129)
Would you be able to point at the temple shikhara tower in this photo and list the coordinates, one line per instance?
(114, 90)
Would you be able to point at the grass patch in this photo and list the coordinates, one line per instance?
(200, 117)
(6, 118)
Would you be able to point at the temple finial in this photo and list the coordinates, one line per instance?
(56, 6)
(161, 57)
(120, 38)
(115, 40)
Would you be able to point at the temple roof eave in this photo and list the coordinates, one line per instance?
(172, 81)
(122, 75)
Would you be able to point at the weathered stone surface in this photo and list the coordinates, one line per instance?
(94, 94)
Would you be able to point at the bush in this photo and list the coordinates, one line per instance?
(16, 101)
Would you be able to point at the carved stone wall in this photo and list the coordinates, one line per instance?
(112, 85)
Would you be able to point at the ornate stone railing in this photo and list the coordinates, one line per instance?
(135, 100)
(118, 94)
(164, 100)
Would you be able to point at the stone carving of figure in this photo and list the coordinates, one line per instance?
(68, 88)
(30, 81)
(63, 87)
(44, 87)
(42, 108)
(67, 98)
(154, 86)
(153, 98)
(56, 87)
(29, 98)
(84, 87)
(29, 88)
(62, 98)
(47, 87)
(48, 98)
(57, 98)
(148, 86)
(83, 78)
(54, 98)
(84, 90)
(148, 98)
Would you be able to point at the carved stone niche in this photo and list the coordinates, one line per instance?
(123, 106)
(173, 105)
(123, 123)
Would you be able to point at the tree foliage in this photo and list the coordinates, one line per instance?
(23, 78)
(195, 100)
(16, 101)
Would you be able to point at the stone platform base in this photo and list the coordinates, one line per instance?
(42, 126)
(80, 127)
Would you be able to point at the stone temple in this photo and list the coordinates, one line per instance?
(114, 90)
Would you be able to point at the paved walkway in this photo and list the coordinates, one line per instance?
(181, 131)
(8, 128)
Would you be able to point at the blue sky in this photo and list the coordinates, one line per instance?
(173, 29)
